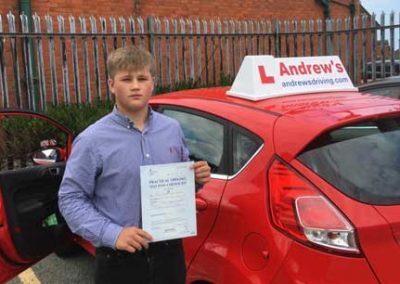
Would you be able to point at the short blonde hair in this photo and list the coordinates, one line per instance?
(129, 58)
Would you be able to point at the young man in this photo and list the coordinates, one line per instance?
(100, 192)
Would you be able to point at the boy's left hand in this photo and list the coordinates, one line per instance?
(202, 172)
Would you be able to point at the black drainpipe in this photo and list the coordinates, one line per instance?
(352, 8)
(326, 5)
(25, 7)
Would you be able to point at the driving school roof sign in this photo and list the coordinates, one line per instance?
(262, 77)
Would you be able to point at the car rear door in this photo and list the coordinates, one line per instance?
(33, 152)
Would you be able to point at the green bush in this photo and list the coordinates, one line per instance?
(226, 79)
(23, 136)
(78, 117)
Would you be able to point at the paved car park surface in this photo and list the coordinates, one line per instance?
(52, 269)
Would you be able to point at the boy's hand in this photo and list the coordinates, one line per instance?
(132, 239)
(202, 172)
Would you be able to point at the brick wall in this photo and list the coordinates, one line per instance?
(8, 5)
(283, 9)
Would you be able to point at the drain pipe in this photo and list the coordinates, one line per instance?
(25, 7)
(352, 8)
(326, 5)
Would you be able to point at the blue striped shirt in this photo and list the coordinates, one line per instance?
(100, 190)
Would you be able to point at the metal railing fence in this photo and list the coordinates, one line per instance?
(62, 61)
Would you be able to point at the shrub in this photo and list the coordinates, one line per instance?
(78, 117)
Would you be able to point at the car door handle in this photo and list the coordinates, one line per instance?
(201, 204)
(54, 171)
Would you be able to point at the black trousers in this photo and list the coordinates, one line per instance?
(162, 263)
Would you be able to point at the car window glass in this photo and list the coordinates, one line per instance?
(244, 147)
(204, 137)
(360, 160)
(21, 137)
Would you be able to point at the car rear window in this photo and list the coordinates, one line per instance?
(360, 160)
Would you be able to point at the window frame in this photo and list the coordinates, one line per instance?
(236, 129)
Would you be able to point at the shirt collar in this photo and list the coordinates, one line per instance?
(124, 120)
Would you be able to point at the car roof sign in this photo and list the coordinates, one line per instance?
(264, 76)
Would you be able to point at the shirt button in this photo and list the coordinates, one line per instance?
(147, 155)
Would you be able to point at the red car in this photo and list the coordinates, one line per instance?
(304, 189)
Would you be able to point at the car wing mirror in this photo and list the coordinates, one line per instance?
(46, 156)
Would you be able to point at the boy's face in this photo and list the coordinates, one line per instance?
(132, 90)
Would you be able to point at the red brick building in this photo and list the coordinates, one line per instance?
(270, 9)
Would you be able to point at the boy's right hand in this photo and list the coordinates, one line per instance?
(132, 239)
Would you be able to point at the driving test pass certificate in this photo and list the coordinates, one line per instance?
(168, 200)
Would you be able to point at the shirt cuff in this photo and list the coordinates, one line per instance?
(110, 235)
